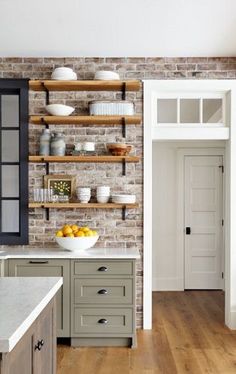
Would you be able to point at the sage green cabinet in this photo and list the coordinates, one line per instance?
(48, 268)
(103, 302)
(35, 353)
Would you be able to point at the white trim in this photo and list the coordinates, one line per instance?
(229, 87)
(190, 133)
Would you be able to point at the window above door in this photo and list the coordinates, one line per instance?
(184, 109)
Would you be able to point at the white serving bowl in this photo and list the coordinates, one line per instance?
(102, 199)
(64, 73)
(59, 109)
(77, 244)
(124, 199)
(103, 190)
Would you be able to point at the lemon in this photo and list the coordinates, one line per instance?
(95, 233)
(59, 234)
(67, 230)
(74, 228)
(70, 235)
(85, 229)
(80, 233)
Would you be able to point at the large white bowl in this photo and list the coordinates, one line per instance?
(123, 199)
(59, 109)
(77, 244)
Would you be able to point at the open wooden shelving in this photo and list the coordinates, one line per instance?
(76, 205)
(80, 205)
(84, 85)
(85, 120)
(101, 158)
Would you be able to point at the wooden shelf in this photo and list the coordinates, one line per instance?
(84, 85)
(84, 158)
(80, 205)
(85, 120)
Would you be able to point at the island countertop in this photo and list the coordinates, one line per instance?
(93, 253)
(22, 301)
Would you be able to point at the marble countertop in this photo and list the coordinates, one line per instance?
(22, 300)
(93, 253)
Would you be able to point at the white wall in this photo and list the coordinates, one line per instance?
(165, 262)
(117, 28)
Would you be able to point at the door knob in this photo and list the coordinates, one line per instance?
(188, 230)
(102, 321)
(102, 268)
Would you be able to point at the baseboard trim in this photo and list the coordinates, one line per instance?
(231, 322)
(167, 284)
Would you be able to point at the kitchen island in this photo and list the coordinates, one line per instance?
(96, 305)
(28, 325)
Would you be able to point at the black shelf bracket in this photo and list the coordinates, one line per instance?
(47, 93)
(44, 123)
(123, 127)
(47, 214)
(123, 95)
(124, 213)
(123, 167)
(47, 167)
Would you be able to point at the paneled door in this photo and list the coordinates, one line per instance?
(203, 222)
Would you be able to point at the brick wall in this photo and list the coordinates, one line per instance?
(114, 232)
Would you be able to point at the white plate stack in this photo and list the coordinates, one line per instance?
(64, 74)
(103, 194)
(84, 194)
(123, 199)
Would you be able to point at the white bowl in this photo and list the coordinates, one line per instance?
(59, 109)
(124, 199)
(84, 190)
(103, 189)
(103, 199)
(77, 244)
(106, 75)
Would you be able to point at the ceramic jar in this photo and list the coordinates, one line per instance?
(58, 145)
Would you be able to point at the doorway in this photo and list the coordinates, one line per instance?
(203, 216)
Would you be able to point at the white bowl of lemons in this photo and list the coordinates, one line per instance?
(75, 238)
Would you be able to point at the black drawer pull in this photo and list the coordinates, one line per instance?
(102, 268)
(38, 262)
(103, 321)
(102, 292)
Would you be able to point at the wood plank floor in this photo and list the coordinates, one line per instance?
(188, 336)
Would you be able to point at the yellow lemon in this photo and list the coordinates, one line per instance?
(59, 233)
(74, 228)
(94, 233)
(79, 233)
(65, 227)
(89, 233)
(85, 229)
(70, 235)
(67, 230)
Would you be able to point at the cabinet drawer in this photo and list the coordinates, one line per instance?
(103, 268)
(102, 320)
(103, 291)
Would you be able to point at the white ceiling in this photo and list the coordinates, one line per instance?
(117, 28)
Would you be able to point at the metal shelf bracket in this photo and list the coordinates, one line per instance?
(123, 167)
(123, 96)
(123, 127)
(124, 213)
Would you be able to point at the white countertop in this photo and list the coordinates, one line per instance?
(22, 300)
(93, 253)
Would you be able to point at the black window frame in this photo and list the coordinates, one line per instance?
(18, 87)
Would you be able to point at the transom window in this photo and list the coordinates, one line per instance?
(189, 109)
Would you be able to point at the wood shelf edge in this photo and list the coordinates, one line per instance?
(80, 205)
(85, 120)
(102, 158)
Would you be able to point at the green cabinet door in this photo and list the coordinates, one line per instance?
(49, 268)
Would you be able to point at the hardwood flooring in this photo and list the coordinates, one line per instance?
(188, 336)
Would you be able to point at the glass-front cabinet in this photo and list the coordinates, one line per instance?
(13, 161)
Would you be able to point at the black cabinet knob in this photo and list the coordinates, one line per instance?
(102, 292)
(102, 268)
(103, 321)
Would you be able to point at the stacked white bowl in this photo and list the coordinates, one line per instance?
(103, 194)
(64, 73)
(83, 194)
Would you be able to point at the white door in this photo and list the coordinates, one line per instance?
(203, 222)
